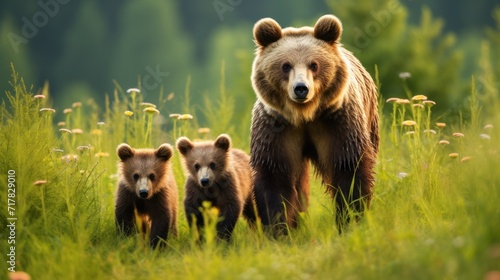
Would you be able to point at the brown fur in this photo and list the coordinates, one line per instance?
(335, 126)
(146, 169)
(228, 181)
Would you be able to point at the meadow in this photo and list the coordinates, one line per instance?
(435, 212)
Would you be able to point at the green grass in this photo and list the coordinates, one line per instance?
(440, 221)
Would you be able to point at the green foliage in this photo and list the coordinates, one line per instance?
(229, 76)
(71, 68)
(378, 33)
(489, 72)
(219, 113)
(439, 64)
(151, 41)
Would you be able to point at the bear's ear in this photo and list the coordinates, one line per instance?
(266, 31)
(328, 28)
(124, 151)
(164, 152)
(184, 145)
(223, 142)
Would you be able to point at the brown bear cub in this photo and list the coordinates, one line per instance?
(146, 187)
(315, 102)
(221, 175)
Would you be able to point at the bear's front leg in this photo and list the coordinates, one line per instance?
(351, 185)
(124, 211)
(159, 214)
(159, 230)
(273, 195)
(277, 159)
(193, 215)
(229, 215)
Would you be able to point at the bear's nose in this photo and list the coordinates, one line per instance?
(143, 193)
(204, 181)
(300, 90)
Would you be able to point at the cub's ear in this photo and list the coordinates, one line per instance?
(266, 31)
(164, 152)
(223, 142)
(328, 28)
(124, 151)
(184, 145)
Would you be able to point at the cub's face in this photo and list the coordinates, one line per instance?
(298, 71)
(205, 161)
(143, 169)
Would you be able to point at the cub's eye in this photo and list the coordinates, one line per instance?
(136, 176)
(152, 177)
(212, 165)
(196, 166)
(286, 67)
(314, 67)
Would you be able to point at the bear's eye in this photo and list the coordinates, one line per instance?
(152, 177)
(196, 166)
(212, 165)
(314, 67)
(286, 67)
(136, 176)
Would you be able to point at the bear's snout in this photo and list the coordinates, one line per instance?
(143, 187)
(301, 90)
(205, 181)
(143, 193)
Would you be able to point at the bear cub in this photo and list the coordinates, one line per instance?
(221, 175)
(146, 187)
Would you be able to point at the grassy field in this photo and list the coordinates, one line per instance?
(435, 213)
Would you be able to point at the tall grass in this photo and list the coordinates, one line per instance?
(435, 213)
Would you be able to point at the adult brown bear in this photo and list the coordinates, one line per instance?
(315, 102)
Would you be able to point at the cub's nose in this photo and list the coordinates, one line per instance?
(204, 181)
(143, 193)
(301, 90)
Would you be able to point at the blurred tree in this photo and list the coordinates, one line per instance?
(153, 46)
(493, 35)
(435, 60)
(86, 51)
(230, 50)
(460, 16)
(488, 76)
(374, 31)
(11, 52)
(377, 32)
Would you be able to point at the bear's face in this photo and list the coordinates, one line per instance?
(143, 170)
(206, 162)
(299, 71)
